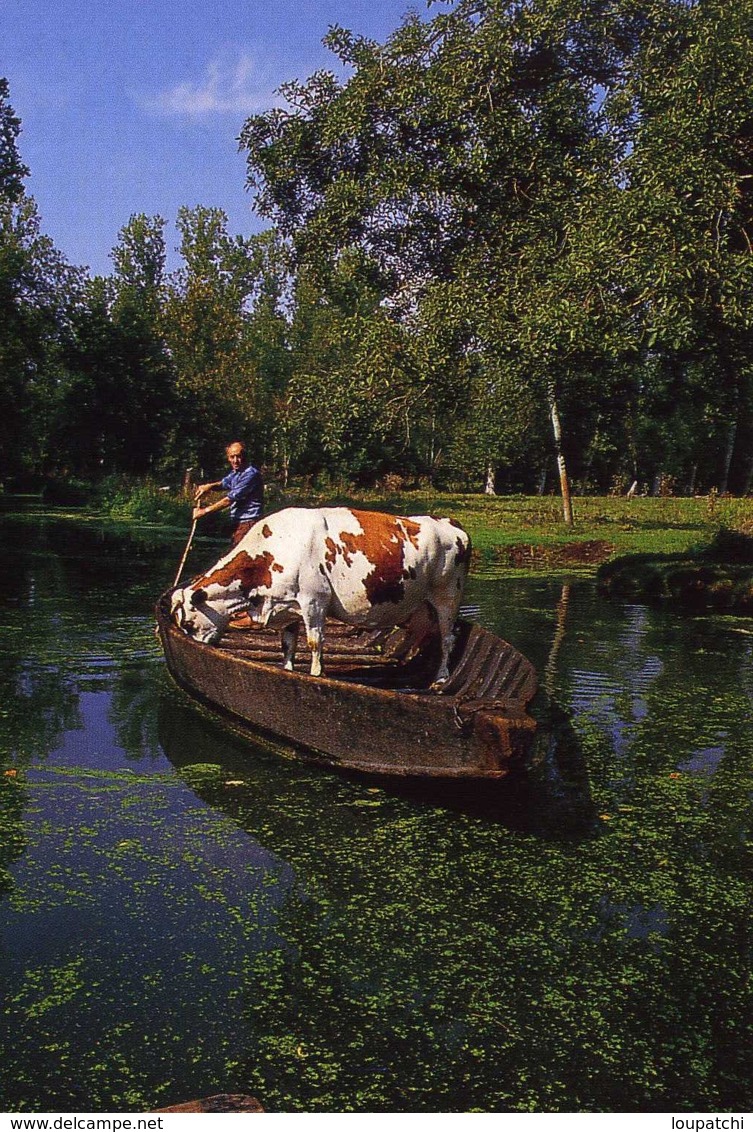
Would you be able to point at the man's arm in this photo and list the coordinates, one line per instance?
(203, 488)
(200, 512)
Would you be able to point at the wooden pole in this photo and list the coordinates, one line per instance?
(185, 553)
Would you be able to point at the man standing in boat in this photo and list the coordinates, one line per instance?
(244, 496)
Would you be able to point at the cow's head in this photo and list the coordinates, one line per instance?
(204, 608)
(197, 616)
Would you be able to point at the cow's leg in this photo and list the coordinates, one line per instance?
(447, 638)
(446, 616)
(289, 642)
(314, 640)
(313, 620)
(421, 625)
(446, 602)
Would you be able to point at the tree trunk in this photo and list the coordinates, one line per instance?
(749, 478)
(188, 482)
(691, 481)
(733, 385)
(489, 485)
(731, 438)
(567, 503)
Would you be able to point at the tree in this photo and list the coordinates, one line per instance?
(138, 299)
(16, 220)
(115, 396)
(13, 172)
(228, 357)
(688, 213)
(460, 158)
(38, 289)
(268, 333)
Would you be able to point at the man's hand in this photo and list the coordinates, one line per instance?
(201, 490)
(198, 513)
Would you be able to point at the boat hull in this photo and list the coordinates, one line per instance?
(363, 714)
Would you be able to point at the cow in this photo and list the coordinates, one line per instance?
(307, 564)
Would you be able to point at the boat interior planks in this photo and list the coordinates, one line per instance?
(375, 657)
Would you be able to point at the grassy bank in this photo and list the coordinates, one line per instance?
(508, 532)
(718, 576)
(513, 532)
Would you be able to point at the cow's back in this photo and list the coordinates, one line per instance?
(382, 567)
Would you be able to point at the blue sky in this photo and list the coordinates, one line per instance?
(131, 106)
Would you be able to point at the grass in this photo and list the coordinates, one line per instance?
(508, 532)
(515, 531)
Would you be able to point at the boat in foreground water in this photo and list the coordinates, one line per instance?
(374, 709)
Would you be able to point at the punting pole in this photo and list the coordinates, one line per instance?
(185, 553)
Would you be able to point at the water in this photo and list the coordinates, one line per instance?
(184, 913)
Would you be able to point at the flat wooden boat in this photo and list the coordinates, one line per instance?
(373, 710)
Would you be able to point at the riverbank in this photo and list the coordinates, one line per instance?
(528, 532)
(509, 533)
(717, 577)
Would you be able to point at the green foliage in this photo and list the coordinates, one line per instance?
(223, 324)
(556, 233)
(113, 404)
(12, 801)
(37, 291)
(141, 501)
(12, 170)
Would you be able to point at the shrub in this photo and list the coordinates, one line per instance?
(732, 546)
(143, 501)
(69, 492)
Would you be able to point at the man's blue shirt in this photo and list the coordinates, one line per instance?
(245, 490)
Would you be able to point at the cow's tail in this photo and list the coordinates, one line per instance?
(464, 551)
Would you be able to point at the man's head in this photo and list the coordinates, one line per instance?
(236, 455)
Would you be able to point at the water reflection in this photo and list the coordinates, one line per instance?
(655, 683)
(552, 799)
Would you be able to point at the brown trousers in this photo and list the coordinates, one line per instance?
(241, 530)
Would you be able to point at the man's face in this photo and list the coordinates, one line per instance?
(235, 457)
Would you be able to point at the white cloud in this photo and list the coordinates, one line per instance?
(228, 86)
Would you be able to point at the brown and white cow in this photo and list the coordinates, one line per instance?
(361, 567)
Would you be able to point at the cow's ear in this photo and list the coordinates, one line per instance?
(198, 597)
